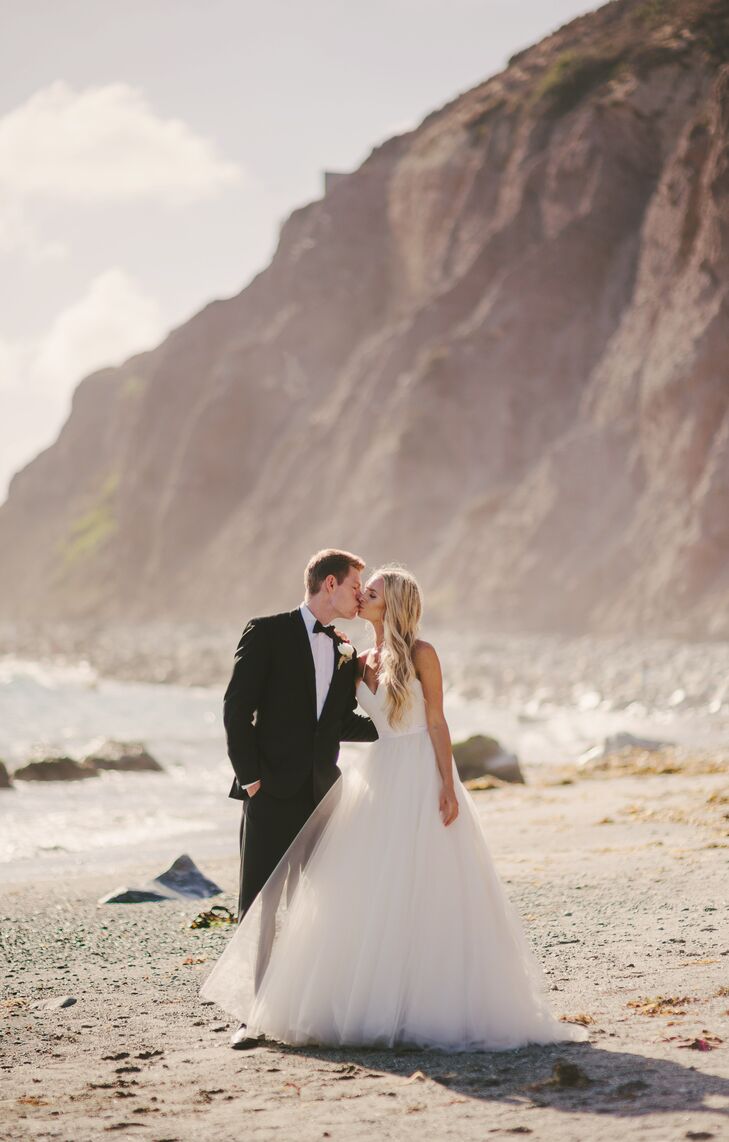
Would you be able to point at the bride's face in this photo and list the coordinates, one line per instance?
(372, 607)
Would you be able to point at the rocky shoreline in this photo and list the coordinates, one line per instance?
(174, 653)
(130, 757)
(587, 671)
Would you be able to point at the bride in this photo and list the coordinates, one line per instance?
(385, 922)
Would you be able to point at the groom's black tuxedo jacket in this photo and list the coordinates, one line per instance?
(269, 711)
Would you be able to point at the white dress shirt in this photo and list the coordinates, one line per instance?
(322, 651)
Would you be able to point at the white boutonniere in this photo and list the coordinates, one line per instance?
(345, 650)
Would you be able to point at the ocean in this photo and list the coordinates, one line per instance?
(48, 828)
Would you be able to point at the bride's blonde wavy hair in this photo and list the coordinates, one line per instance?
(403, 609)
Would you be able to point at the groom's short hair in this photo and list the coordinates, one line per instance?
(330, 561)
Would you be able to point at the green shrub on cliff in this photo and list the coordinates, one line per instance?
(572, 76)
(92, 528)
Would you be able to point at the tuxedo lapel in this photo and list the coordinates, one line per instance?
(303, 650)
(336, 681)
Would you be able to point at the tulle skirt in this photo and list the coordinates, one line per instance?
(382, 926)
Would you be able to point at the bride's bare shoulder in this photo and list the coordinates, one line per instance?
(428, 671)
(424, 652)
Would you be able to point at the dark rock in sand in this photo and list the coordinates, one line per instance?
(182, 880)
(479, 756)
(54, 769)
(566, 1074)
(134, 896)
(123, 755)
(5, 782)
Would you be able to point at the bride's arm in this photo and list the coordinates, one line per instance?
(427, 668)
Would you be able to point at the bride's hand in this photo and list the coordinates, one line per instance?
(448, 805)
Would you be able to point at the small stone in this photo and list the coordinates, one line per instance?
(567, 1074)
(56, 1003)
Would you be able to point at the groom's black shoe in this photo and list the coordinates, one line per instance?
(240, 1040)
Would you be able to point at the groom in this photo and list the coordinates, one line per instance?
(289, 703)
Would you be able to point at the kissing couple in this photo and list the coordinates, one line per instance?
(370, 909)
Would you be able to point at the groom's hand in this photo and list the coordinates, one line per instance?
(251, 790)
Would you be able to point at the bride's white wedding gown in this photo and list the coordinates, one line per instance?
(381, 925)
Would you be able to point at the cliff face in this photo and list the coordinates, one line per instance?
(499, 352)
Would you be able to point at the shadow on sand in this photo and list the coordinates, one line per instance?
(568, 1077)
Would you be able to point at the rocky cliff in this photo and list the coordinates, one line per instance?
(498, 351)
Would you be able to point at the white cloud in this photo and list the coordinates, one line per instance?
(100, 145)
(106, 144)
(113, 320)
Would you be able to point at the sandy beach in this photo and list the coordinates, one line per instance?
(621, 884)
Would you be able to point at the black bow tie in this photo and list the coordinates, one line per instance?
(319, 628)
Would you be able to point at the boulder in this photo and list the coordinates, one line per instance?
(481, 755)
(617, 743)
(54, 769)
(5, 781)
(122, 755)
(134, 896)
(182, 880)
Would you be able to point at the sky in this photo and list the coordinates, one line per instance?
(150, 149)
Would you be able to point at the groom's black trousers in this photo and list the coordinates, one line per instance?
(268, 826)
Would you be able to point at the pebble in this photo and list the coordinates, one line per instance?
(56, 1003)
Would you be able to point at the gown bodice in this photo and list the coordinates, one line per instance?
(375, 705)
